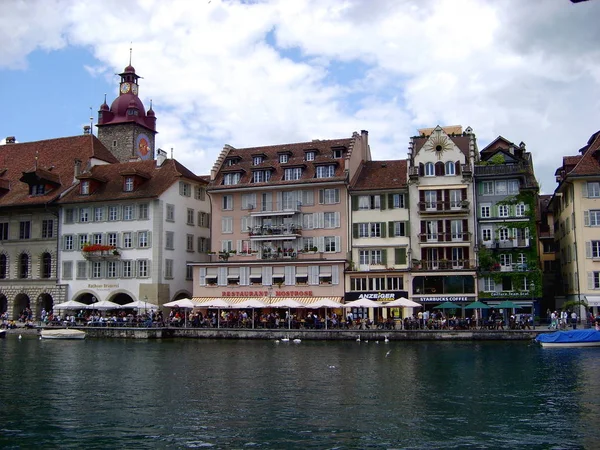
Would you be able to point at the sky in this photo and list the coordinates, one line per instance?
(252, 73)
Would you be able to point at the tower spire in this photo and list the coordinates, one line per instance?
(130, 51)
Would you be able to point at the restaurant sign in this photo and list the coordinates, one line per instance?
(441, 299)
(266, 293)
(103, 286)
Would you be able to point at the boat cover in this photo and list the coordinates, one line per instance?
(570, 336)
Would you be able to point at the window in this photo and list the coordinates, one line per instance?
(202, 244)
(67, 270)
(97, 238)
(293, 174)
(127, 269)
(69, 215)
(113, 213)
(128, 184)
(111, 239)
(226, 246)
(513, 187)
(227, 203)
(203, 219)
(143, 240)
(363, 230)
(429, 169)
(143, 211)
(503, 234)
(431, 227)
(3, 231)
(37, 189)
(99, 214)
(85, 187)
(308, 243)
(331, 220)
(507, 284)
(456, 230)
(83, 240)
(325, 171)
(128, 212)
(501, 187)
(261, 176)
(489, 285)
(395, 283)
(520, 209)
(84, 215)
(168, 268)
(96, 269)
(200, 193)
(329, 196)
(593, 249)
(487, 187)
(431, 200)
(68, 242)
(230, 179)
(450, 168)
(81, 269)
(503, 210)
(330, 244)
(399, 229)
(377, 283)
(47, 228)
(456, 199)
(248, 201)
(375, 229)
(486, 234)
(506, 260)
(310, 156)
(358, 284)
(46, 265)
(169, 240)
(226, 224)
(185, 189)
(170, 213)
(594, 218)
(338, 153)
(190, 216)
(368, 257)
(142, 268)
(369, 202)
(593, 189)
(398, 201)
(257, 160)
(127, 240)
(283, 159)
(25, 229)
(189, 242)
(189, 272)
(111, 269)
(24, 265)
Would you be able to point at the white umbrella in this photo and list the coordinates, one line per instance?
(326, 303)
(402, 303)
(138, 304)
(218, 303)
(288, 303)
(181, 303)
(71, 305)
(362, 303)
(103, 305)
(251, 303)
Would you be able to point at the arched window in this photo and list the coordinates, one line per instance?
(24, 265)
(429, 169)
(450, 168)
(46, 265)
(3, 266)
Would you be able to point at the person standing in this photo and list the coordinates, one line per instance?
(574, 320)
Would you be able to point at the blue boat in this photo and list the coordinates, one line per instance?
(570, 338)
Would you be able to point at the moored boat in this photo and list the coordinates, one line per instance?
(62, 333)
(570, 338)
(2, 333)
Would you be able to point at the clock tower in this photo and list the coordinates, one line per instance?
(125, 128)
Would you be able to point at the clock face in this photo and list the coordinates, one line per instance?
(143, 147)
(134, 89)
(125, 87)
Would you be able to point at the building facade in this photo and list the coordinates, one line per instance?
(442, 221)
(280, 221)
(507, 197)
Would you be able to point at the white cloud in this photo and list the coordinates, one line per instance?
(529, 71)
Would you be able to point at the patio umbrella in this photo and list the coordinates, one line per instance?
(363, 303)
(506, 304)
(477, 305)
(251, 303)
(326, 303)
(287, 303)
(447, 305)
(103, 305)
(138, 304)
(402, 303)
(70, 305)
(217, 303)
(184, 303)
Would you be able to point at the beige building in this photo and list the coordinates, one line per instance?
(576, 205)
(280, 221)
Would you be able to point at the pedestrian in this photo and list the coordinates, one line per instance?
(574, 320)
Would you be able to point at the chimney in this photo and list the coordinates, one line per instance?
(10, 140)
(161, 157)
(87, 129)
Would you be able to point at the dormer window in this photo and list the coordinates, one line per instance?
(326, 171)
(292, 174)
(229, 162)
(85, 187)
(310, 156)
(257, 160)
(231, 178)
(128, 184)
(261, 176)
(338, 153)
(283, 158)
(37, 189)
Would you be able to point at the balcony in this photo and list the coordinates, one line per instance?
(446, 207)
(437, 238)
(501, 169)
(507, 244)
(443, 264)
(276, 210)
(275, 232)
(512, 267)
(102, 255)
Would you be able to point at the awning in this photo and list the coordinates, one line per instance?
(593, 300)
(307, 301)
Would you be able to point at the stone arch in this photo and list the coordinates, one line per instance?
(20, 303)
(121, 297)
(181, 294)
(44, 302)
(3, 304)
(87, 297)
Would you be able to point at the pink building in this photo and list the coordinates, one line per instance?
(280, 221)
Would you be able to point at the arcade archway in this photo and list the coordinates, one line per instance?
(3, 304)
(44, 302)
(20, 305)
(121, 298)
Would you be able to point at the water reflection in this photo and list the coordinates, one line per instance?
(191, 393)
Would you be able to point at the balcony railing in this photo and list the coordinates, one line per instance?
(434, 238)
(269, 209)
(101, 255)
(513, 267)
(501, 169)
(275, 230)
(454, 206)
(444, 264)
(509, 243)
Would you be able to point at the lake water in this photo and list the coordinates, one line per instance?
(260, 394)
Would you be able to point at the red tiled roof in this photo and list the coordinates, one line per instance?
(159, 179)
(499, 142)
(55, 159)
(390, 174)
(589, 163)
(323, 154)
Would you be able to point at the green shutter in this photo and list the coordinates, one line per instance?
(354, 203)
(391, 200)
(406, 197)
(400, 255)
(391, 229)
(384, 257)
(382, 228)
(383, 201)
(355, 230)
(407, 228)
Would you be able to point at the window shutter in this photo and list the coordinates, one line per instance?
(391, 201)
(320, 243)
(407, 228)
(391, 229)
(335, 274)
(337, 219)
(222, 276)
(354, 202)
(149, 239)
(202, 276)
(355, 230)
(590, 280)
(421, 169)
(457, 167)
(586, 218)
(338, 244)
(382, 228)
(406, 200)
(383, 202)
(313, 275)
(318, 220)
(239, 246)
(279, 200)
(321, 196)
(588, 249)
(584, 190)
(290, 275)
(267, 275)
(384, 260)
(337, 195)
(400, 256)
